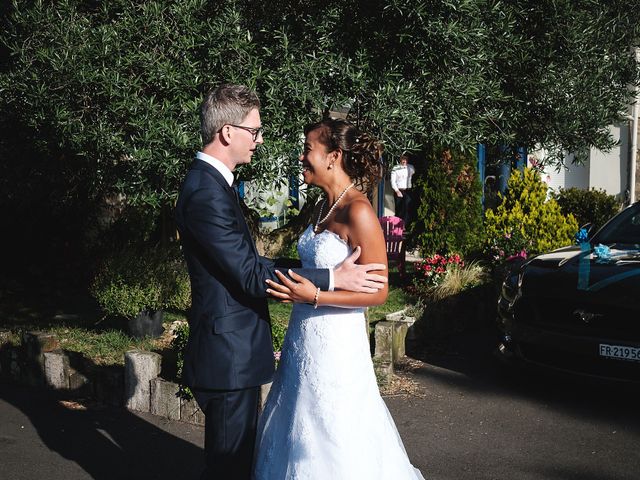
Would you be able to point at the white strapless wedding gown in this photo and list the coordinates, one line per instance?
(324, 417)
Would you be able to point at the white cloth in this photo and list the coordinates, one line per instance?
(401, 176)
(218, 165)
(324, 417)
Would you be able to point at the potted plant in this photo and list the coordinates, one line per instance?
(139, 284)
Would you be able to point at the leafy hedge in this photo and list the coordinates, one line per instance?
(132, 281)
(449, 218)
(525, 213)
(587, 206)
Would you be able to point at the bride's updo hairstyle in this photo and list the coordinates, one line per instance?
(360, 151)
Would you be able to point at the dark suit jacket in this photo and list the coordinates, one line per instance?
(229, 344)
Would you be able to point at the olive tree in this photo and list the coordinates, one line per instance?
(107, 92)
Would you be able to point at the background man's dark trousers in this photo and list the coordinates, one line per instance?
(403, 205)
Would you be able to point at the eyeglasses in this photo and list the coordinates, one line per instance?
(255, 132)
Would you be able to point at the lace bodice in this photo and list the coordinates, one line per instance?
(322, 250)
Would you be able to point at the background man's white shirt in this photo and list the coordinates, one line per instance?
(401, 176)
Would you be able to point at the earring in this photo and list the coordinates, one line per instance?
(330, 166)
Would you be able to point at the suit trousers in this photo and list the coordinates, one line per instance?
(230, 431)
(403, 206)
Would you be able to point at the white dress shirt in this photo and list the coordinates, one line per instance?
(401, 176)
(218, 165)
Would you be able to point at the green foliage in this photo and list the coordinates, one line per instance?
(510, 245)
(118, 83)
(100, 99)
(432, 271)
(526, 213)
(102, 347)
(438, 277)
(587, 206)
(278, 332)
(450, 211)
(457, 280)
(132, 281)
(178, 344)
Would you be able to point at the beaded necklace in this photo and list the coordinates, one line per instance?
(320, 221)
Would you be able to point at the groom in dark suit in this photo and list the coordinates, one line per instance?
(229, 353)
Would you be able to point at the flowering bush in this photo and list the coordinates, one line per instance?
(432, 270)
(509, 246)
(525, 213)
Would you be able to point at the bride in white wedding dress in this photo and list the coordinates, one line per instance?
(324, 417)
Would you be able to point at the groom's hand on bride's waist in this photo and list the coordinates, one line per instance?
(357, 278)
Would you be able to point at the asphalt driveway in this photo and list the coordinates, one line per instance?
(478, 420)
(471, 421)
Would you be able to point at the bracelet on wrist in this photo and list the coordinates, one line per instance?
(316, 297)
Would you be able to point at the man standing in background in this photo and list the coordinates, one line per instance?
(401, 184)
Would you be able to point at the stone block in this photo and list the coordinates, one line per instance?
(108, 385)
(383, 370)
(38, 343)
(56, 370)
(398, 340)
(35, 345)
(164, 401)
(190, 412)
(395, 316)
(139, 369)
(384, 341)
(78, 382)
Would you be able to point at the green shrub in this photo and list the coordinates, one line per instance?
(449, 217)
(178, 344)
(132, 281)
(431, 272)
(587, 206)
(278, 332)
(526, 216)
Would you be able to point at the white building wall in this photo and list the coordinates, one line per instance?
(609, 170)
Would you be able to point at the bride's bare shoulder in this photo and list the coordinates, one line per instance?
(360, 210)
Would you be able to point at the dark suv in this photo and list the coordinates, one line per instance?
(577, 308)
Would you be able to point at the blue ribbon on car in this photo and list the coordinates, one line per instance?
(584, 266)
(603, 254)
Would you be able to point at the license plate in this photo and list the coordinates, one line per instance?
(620, 352)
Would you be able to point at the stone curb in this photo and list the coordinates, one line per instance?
(40, 362)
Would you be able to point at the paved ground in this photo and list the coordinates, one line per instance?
(472, 421)
(481, 421)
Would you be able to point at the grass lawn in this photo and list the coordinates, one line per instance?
(80, 326)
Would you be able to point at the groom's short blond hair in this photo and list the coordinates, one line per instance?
(227, 104)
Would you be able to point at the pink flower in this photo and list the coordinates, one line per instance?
(277, 355)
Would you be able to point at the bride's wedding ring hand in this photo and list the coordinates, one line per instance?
(356, 278)
(294, 288)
